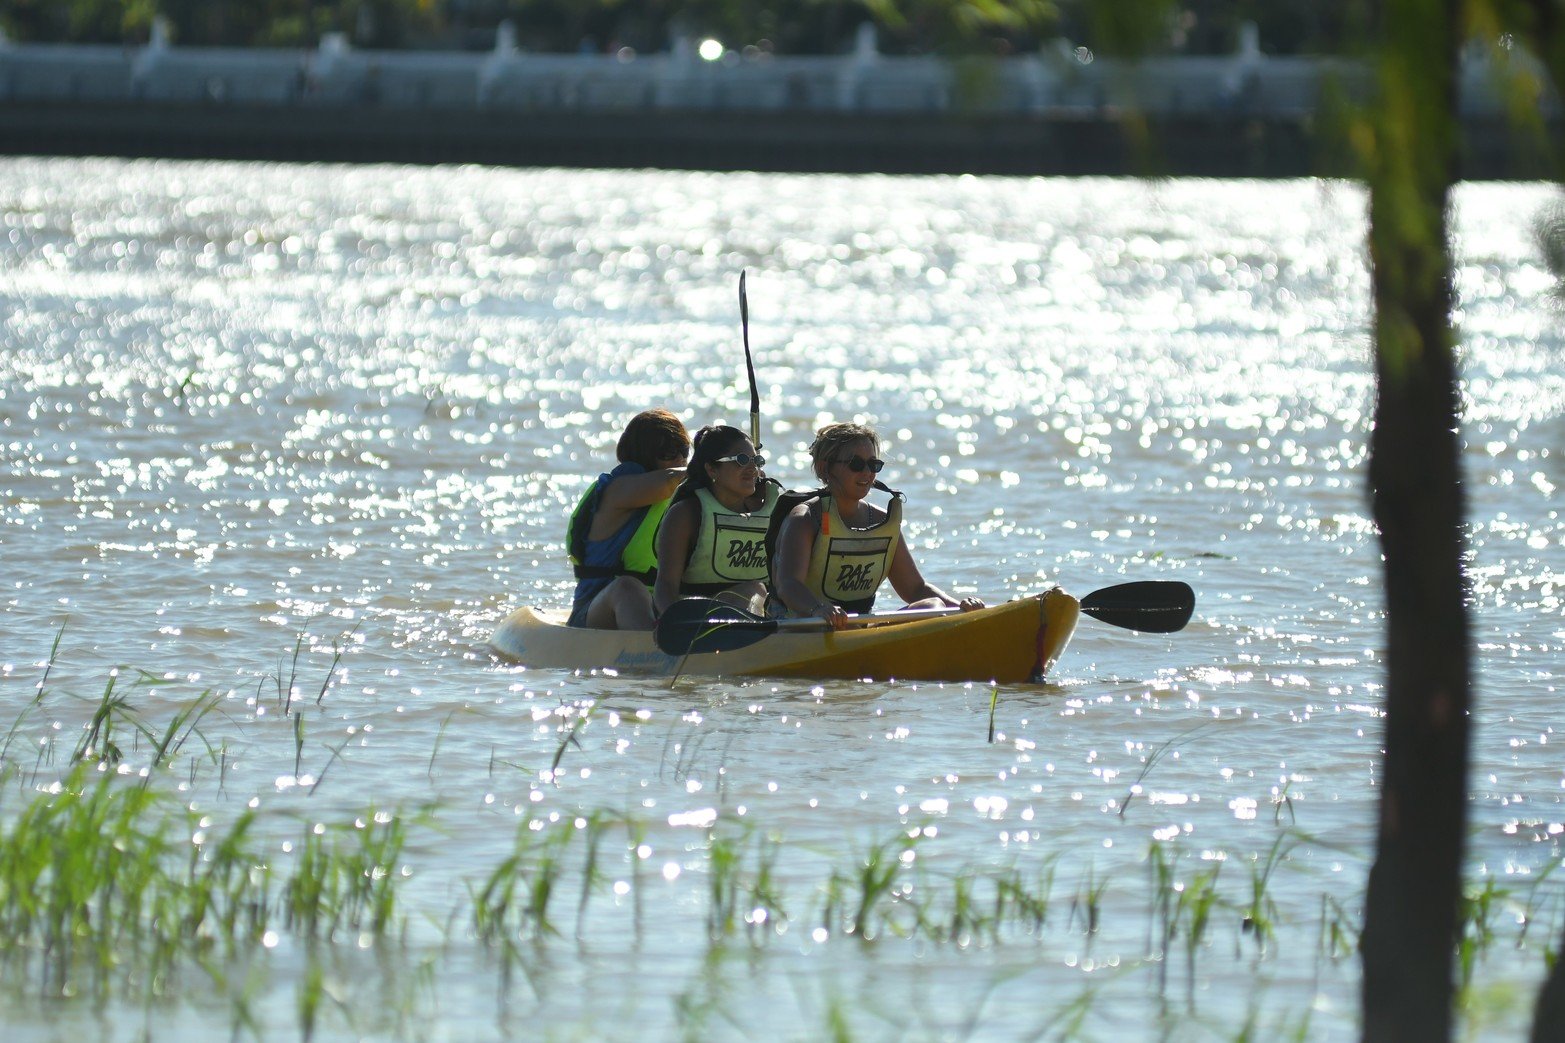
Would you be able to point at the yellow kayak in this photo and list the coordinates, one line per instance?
(1009, 643)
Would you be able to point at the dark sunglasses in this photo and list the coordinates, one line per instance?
(742, 459)
(858, 463)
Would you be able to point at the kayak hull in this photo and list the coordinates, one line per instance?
(1010, 643)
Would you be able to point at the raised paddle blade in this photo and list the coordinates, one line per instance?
(708, 625)
(1151, 606)
(749, 365)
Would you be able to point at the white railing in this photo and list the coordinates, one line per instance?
(1058, 80)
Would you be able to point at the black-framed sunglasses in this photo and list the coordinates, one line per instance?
(858, 463)
(742, 459)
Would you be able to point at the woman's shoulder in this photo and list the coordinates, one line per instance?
(687, 509)
(806, 507)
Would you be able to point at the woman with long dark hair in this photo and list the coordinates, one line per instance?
(713, 539)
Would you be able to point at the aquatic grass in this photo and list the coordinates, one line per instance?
(298, 743)
(114, 717)
(39, 690)
(1476, 909)
(336, 752)
(434, 747)
(1338, 938)
(513, 901)
(594, 826)
(1017, 901)
(1532, 910)
(1181, 909)
(99, 878)
(741, 882)
(569, 739)
(184, 724)
(287, 681)
(180, 395)
(98, 740)
(1259, 915)
(1087, 903)
(1152, 759)
(345, 878)
(854, 900)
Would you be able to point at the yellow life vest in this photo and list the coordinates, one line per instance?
(730, 546)
(848, 565)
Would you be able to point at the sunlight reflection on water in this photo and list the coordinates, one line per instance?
(246, 403)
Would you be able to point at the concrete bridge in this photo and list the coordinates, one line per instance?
(1061, 110)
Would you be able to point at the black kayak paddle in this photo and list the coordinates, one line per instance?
(694, 625)
(1152, 606)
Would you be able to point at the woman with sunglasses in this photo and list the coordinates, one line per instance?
(835, 548)
(713, 539)
(612, 531)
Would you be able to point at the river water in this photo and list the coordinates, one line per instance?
(300, 436)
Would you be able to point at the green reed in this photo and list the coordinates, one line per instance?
(514, 901)
(860, 901)
(1087, 903)
(1476, 911)
(1338, 938)
(1020, 901)
(108, 887)
(345, 879)
(99, 878)
(1259, 918)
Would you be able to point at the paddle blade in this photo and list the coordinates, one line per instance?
(708, 625)
(1151, 606)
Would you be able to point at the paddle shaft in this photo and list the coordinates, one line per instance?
(749, 366)
(867, 619)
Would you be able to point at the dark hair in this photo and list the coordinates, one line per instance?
(652, 436)
(830, 440)
(712, 442)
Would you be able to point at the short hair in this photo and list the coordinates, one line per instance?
(653, 435)
(830, 440)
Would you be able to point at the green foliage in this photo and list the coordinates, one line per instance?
(957, 27)
(962, 26)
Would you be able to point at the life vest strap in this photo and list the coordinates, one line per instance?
(648, 577)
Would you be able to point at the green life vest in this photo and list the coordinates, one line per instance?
(639, 558)
(730, 546)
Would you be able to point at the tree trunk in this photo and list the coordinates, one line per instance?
(1415, 884)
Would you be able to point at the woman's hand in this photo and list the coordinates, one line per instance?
(834, 615)
(970, 604)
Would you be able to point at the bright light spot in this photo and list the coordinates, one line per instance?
(990, 807)
(670, 870)
(701, 818)
(710, 50)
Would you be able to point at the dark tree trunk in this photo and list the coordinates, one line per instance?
(1415, 884)
(1542, 24)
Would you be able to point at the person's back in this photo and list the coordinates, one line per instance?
(612, 531)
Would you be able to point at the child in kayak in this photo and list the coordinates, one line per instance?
(834, 548)
(612, 530)
(713, 539)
